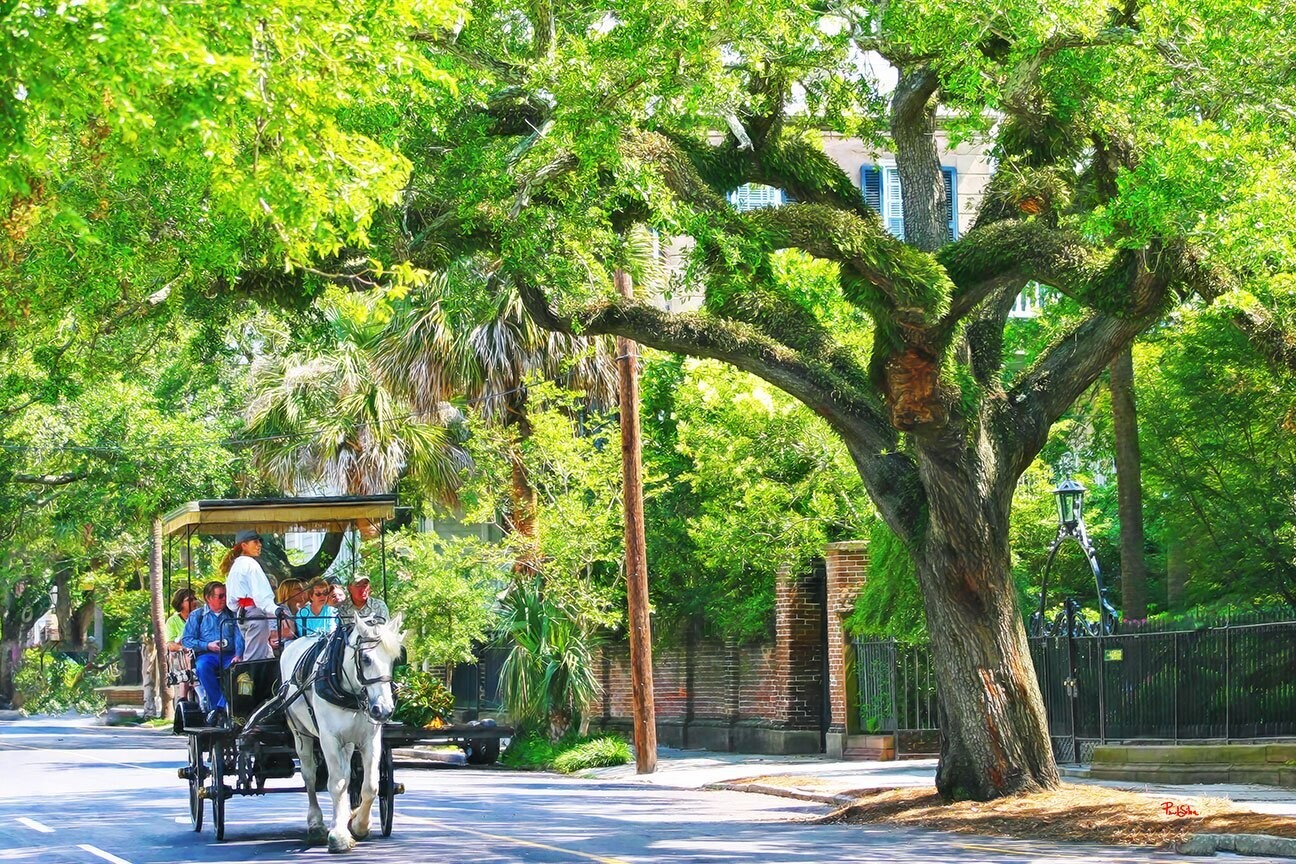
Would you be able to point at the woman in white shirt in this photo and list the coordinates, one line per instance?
(250, 595)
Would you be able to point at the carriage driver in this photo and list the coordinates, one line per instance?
(250, 595)
(210, 633)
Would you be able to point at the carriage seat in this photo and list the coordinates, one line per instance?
(247, 684)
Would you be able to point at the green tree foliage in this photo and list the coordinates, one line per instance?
(446, 588)
(1219, 458)
(328, 413)
(889, 605)
(761, 482)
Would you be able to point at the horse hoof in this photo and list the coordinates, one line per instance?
(358, 832)
(316, 834)
(337, 843)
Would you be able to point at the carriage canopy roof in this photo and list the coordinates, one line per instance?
(277, 515)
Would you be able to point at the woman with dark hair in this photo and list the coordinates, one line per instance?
(183, 602)
(250, 595)
(179, 660)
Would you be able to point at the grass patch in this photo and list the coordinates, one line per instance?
(535, 752)
(594, 753)
(158, 723)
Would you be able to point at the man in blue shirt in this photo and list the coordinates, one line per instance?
(212, 634)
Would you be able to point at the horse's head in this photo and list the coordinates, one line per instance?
(377, 647)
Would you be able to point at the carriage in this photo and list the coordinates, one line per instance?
(255, 747)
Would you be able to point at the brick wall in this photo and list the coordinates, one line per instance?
(798, 647)
(711, 692)
(847, 568)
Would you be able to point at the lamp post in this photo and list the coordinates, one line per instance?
(1070, 504)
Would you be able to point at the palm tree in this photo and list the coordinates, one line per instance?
(333, 414)
(486, 349)
(548, 678)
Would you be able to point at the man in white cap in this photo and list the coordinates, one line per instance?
(359, 604)
(250, 595)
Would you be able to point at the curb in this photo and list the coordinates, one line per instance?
(1240, 844)
(11, 715)
(413, 757)
(782, 792)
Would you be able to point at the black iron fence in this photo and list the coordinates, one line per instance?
(476, 685)
(1228, 682)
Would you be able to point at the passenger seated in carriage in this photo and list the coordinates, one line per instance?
(212, 634)
(179, 658)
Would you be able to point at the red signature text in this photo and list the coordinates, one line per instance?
(1170, 808)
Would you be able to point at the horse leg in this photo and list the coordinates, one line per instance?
(338, 760)
(315, 830)
(369, 755)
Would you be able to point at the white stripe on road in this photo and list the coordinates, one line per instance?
(445, 826)
(35, 826)
(107, 856)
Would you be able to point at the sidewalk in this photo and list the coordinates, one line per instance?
(818, 778)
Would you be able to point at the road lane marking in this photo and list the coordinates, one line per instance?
(107, 856)
(446, 826)
(35, 826)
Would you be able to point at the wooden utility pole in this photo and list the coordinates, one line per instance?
(158, 608)
(636, 558)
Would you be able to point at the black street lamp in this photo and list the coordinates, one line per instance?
(1070, 504)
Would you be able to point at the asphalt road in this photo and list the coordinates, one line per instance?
(84, 795)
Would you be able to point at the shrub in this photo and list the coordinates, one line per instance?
(50, 683)
(422, 699)
(594, 753)
(530, 751)
(534, 751)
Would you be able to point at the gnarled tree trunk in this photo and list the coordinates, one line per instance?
(994, 737)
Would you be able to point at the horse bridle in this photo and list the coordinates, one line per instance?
(360, 647)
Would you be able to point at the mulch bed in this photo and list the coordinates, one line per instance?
(1074, 812)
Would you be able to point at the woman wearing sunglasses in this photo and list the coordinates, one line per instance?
(317, 616)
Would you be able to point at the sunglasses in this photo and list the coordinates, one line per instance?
(319, 593)
(220, 596)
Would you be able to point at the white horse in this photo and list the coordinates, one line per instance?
(365, 675)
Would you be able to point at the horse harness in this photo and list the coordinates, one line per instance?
(322, 667)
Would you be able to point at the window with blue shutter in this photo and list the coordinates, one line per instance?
(881, 188)
(751, 196)
(951, 202)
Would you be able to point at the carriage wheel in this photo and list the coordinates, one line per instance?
(196, 776)
(217, 791)
(386, 789)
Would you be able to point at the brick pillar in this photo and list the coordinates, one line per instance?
(847, 564)
(798, 647)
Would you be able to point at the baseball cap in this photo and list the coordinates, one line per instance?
(245, 535)
(357, 577)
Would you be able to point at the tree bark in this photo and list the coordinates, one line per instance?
(641, 673)
(994, 733)
(1129, 487)
(922, 186)
(166, 709)
(524, 515)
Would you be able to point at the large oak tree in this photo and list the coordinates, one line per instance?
(1143, 160)
(1135, 160)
